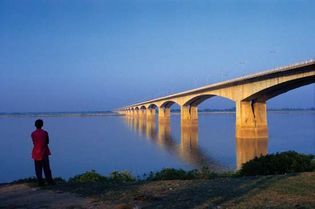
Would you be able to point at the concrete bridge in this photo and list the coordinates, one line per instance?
(250, 94)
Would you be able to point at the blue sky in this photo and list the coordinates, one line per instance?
(75, 55)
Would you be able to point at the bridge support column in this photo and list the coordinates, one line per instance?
(189, 126)
(150, 114)
(136, 113)
(251, 120)
(142, 114)
(164, 115)
(132, 113)
(189, 116)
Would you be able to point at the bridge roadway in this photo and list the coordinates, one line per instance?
(250, 94)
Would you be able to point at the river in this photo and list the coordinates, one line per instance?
(109, 142)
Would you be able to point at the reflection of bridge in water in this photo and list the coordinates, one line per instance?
(250, 94)
(188, 149)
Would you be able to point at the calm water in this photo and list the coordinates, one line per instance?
(107, 143)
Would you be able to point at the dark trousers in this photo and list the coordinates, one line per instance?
(41, 165)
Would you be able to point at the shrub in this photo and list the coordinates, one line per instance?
(179, 174)
(206, 173)
(25, 180)
(279, 163)
(34, 180)
(59, 180)
(121, 176)
(171, 174)
(88, 177)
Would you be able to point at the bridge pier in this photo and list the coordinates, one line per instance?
(251, 120)
(136, 113)
(164, 115)
(189, 126)
(132, 113)
(189, 115)
(142, 114)
(150, 114)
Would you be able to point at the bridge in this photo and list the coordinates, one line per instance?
(250, 94)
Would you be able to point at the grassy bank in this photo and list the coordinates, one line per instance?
(273, 191)
(270, 181)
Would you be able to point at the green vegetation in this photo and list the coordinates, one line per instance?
(87, 177)
(122, 176)
(180, 174)
(271, 164)
(92, 177)
(171, 174)
(177, 188)
(276, 191)
(291, 109)
(25, 180)
(33, 180)
(279, 163)
(164, 174)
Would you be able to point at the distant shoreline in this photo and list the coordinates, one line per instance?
(60, 114)
(110, 113)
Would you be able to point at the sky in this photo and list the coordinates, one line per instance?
(93, 55)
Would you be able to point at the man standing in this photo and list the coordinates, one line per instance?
(41, 152)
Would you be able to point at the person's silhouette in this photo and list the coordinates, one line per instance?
(41, 152)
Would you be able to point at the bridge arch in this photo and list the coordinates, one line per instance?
(168, 104)
(280, 88)
(153, 106)
(151, 111)
(196, 100)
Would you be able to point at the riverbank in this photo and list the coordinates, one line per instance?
(276, 191)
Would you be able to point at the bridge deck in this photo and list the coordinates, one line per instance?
(235, 81)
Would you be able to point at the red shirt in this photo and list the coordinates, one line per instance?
(40, 140)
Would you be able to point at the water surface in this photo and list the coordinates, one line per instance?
(107, 143)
